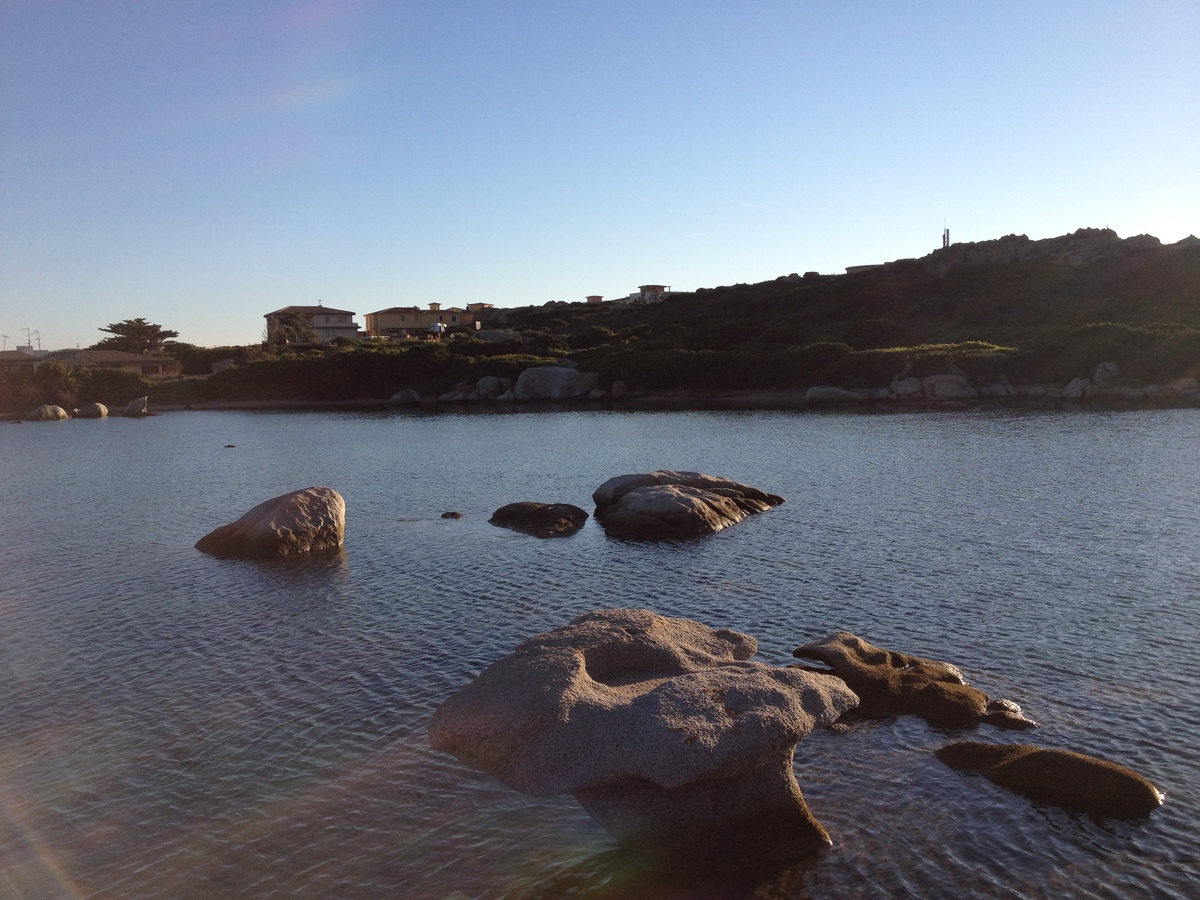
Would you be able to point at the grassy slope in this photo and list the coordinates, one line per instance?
(1034, 321)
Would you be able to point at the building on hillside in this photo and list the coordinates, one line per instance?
(309, 325)
(647, 293)
(595, 298)
(400, 322)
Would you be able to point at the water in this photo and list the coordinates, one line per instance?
(173, 725)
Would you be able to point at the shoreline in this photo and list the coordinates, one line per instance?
(685, 400)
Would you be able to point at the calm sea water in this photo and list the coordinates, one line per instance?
(173, 725)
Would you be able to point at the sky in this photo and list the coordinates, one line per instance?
(200, 164)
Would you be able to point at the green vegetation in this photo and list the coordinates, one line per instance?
(1032, 322)
(22, 390)
(135, 336)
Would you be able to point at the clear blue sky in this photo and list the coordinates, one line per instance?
(202, 163)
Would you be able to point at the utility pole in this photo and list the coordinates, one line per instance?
(39, 337)
(5, 336)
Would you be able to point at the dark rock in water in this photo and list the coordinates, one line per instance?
(92, 411)
(675, 505)
(452, 515)
(230, 446)
(540, 519)
(311, 520)
(661, 728)
(891, 683)
(1061, 777)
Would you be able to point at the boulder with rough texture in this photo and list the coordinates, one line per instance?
(48, 413)
(311, 520)
(1062, 777)
(540, 519)
(138, 407)
(891, 683)
(660, 727)
(550, 383)
(93, 411)
(670, 505)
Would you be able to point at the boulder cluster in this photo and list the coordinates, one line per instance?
(51, 413)
(682, 748)
(562, 382)
(953, 386)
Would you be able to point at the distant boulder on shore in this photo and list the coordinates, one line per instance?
(92, 411)
(48, 413)
(550, 383)
(138, 407)
(311, 520)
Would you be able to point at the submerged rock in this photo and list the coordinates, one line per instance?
(672, 505)
(660, 727)
(311, 520)
(892, 683)
(540, 519)
(1061, 777)
(48, 413)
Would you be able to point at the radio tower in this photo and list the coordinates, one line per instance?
(945, 238)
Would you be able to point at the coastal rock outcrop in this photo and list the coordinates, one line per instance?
(540, 519)
(892, 683)
(550, 383)
(667, 504)
(93, 411)
(1062, 777)
(948, 387)
(48, 413)
(660, 727)
(311, 520)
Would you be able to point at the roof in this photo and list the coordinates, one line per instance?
(19, 358)
(415, 309)
(311, 311)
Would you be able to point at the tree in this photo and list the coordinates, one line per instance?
(135, 336)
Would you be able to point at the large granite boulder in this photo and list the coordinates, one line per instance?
(92, 411)
(311, 520)
(550, 383)
(660, 727)
(540, 519)
(669, 505)
(1061, 777)
(48, 413)
(891, 683)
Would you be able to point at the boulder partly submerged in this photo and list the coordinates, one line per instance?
(540, 519)
(660, 727)
(1062, 777)
(670, 505)
(892, 683)
(93, 411)
(312, 520)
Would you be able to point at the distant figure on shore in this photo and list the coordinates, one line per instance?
(437, 329)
